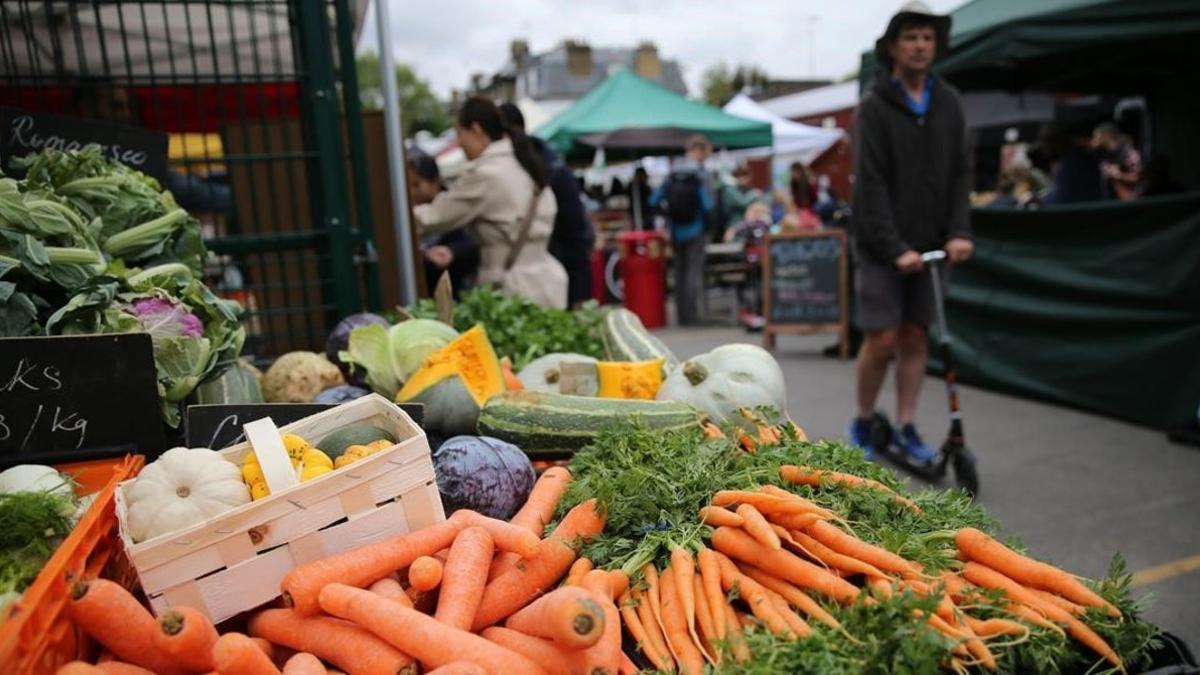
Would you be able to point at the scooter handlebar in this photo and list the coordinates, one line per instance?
(933, 256)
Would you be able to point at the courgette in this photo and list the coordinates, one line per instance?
(539, 421)
(626, 339)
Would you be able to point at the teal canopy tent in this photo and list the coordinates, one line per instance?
(629, 116)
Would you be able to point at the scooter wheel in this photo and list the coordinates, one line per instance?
(964, 471)
(881, 432)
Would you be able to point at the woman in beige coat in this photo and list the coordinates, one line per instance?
(492, 198)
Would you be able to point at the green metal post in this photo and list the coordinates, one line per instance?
(325, 137)
(358, 158)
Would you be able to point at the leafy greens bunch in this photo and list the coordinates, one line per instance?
(73, 214)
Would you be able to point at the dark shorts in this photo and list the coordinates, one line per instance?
(886, 298)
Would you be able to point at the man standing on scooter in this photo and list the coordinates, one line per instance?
(912, 172)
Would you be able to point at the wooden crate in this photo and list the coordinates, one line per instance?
(236, 561)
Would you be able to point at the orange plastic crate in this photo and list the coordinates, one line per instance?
(35, 634)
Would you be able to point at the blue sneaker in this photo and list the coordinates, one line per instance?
(907, 442)
(860, 436)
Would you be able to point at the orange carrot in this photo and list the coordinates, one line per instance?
(737, 639)
(854, 547)
(578, 569)
(518, 587)
(983, 549)
(684, 566)
(712, 431)
(710, 577)
(430, 641)
(768, 504)
(568, 616)
(793, 521)
(465, 577)
(793, 595)
(990, 627)
(391, 589)
(511, 381)
(1032, 616)
(654, 596)
(97, 606)
(717, 516)
(364, 565)
(236, 654)
(458, 668)
(351, 648)
(815, 477)
(981, 575)
(304, 663)
(79, 668)
(796, 624)
(741, 546)
(1063, 603)
(754, 594)
(653, 628)
(187, 636)
(536, 513)
(556, 659)
(691, 662)
(543, 499)
(121, 668)
(626, 666)
(605, 655)
(425, 573)
(507, 537)
(832, 558)
(637, 629)
(704, 621)
(758, 527)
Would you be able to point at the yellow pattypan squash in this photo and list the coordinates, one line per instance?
(309, 461)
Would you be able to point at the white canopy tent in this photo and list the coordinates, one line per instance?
(792, 139)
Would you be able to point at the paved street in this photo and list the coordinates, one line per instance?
(1074, 487)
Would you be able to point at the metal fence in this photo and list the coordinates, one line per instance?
(261, 100)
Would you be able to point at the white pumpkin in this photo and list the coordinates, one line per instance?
(183, 487)
(726, 379)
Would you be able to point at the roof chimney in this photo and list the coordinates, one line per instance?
(579, 58)
(518, 50)
(646, 62)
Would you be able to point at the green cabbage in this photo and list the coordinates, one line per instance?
(391, 355)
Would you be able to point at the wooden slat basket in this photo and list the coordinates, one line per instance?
(236, 561)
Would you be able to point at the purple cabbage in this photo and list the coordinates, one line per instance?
(483, 474)
(339, 341)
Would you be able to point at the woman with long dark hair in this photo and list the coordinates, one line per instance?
(502, 200)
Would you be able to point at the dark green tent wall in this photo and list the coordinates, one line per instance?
(1094, 306)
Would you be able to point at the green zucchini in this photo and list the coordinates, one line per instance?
(626, 339)
(539, 421)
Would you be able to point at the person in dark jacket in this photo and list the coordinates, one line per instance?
(455, 251)
(573, 239)
(912, 173)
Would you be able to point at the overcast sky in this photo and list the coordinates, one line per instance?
(447, 40)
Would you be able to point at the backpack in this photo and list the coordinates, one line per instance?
(683, 198)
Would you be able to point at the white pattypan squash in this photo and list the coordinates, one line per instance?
(183, 487)
(725, 379)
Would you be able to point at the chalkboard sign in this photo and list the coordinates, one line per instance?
(23, 133)
(219, 426)
(804, 285)
(78, 397)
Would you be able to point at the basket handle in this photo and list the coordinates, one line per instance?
(267, 446)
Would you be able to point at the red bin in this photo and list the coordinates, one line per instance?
(644, 275)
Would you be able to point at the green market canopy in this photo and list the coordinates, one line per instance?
(629, 116)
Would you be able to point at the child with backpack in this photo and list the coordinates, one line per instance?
(752, 232)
